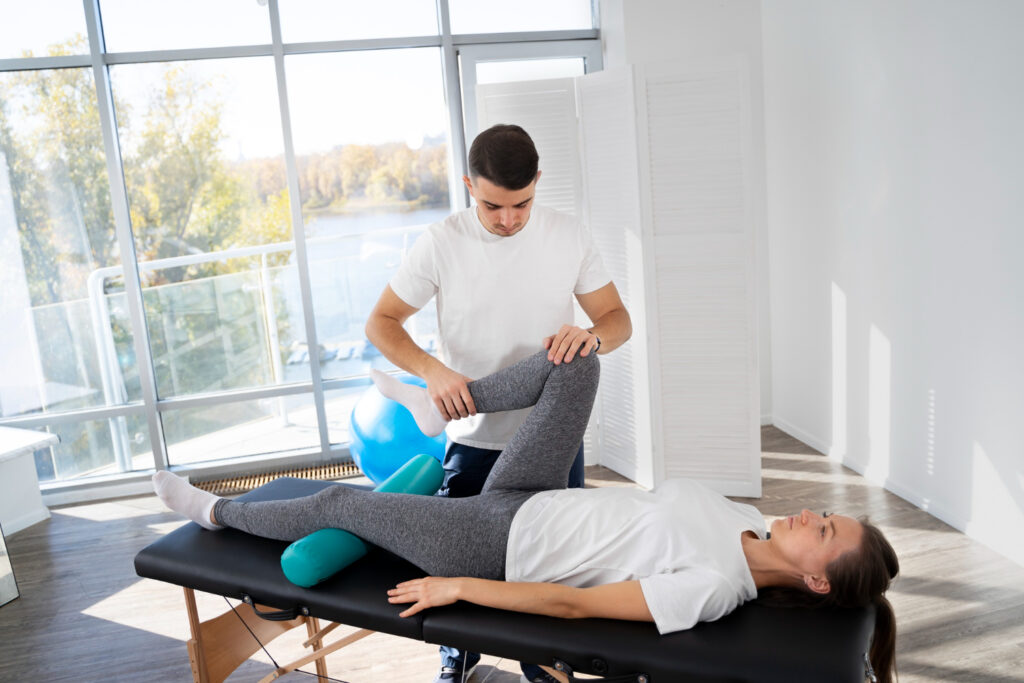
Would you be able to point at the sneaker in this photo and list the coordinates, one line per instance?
(449, 674)
(542, 677)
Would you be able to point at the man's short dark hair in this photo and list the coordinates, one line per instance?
(504, 154)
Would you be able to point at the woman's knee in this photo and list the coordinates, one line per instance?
(585, 366)
(332, 495)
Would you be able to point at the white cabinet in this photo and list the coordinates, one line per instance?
(21, 503)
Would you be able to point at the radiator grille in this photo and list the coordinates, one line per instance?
(248, 482)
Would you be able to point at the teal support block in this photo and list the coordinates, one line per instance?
(323, 553)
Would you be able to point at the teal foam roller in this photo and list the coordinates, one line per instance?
(323, 553)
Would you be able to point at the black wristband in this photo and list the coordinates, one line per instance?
(598, 342)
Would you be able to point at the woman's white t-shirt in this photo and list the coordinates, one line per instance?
(681, 541)
(498, 297)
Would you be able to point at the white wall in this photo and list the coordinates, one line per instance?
(645, 31)
(895, 166)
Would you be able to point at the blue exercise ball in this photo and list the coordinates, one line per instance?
(385, 436)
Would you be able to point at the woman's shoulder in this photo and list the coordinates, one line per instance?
(678, 600)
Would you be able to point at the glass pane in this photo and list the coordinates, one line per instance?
(96, 447)
(68, 343)
(235, 430)
(528, 69)
(211, 333)
(373, 165)
(500, 16)
(43, 28)
(133, 26)
(348, 274)
(202, 150)
(339, 404)
(313, 20)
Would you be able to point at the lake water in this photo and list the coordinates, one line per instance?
(361, 223)
(351, 259)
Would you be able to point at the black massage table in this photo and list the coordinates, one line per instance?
(754, 643)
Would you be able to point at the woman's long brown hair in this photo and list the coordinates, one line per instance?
(857, 578)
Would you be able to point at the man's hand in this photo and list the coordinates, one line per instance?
(563, 346)
(431, 591)
(449, 392)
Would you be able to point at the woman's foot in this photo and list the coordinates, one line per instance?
(182, 497)
(415, 398)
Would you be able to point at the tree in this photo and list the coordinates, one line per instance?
(57, 174)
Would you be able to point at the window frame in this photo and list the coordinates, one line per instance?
(471, 49)
(470, 56)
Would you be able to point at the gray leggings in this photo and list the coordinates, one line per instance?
(475, 529)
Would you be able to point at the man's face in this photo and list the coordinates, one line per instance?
(502, 211)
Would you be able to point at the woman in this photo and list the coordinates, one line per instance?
(675, 556)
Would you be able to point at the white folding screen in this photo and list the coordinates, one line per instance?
(663, 179)
(547, 111)
(612, 210)
(695, 149)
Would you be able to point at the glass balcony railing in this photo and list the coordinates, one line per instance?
(212, 335)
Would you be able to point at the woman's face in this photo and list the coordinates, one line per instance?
(809, 542)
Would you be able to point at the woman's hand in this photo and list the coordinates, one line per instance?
(431, 591)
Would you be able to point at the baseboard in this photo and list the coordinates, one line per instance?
(13, 526)
(138, 485)
(811, 440)
(907, 493)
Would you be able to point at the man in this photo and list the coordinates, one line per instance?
(504, 273)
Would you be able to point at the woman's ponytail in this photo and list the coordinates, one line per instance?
(883, 642)
(860, 578)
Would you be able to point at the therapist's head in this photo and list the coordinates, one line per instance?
(503, 178)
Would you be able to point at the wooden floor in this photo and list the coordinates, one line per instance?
(84, 615)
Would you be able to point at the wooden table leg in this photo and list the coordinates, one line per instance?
(220, 645)
(316, 642)
(195, 643)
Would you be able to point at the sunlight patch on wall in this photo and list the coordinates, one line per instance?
(879, 405)
(839, 365)
(929, 465)
(997, 519)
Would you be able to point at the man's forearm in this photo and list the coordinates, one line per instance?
(614, 329)
(392, 340)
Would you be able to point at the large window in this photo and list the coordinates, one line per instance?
(47, 28)
(370, 178)
(66, 336)
(204, 170)
(304, 21)
(133, 26)
(198, 211)
(500, 16)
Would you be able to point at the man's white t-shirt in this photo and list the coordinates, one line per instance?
(681, 541)
(498, 297)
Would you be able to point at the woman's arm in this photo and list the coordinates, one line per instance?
(624, 600)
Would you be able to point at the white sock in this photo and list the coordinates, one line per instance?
(416, 399)
(182, 497)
